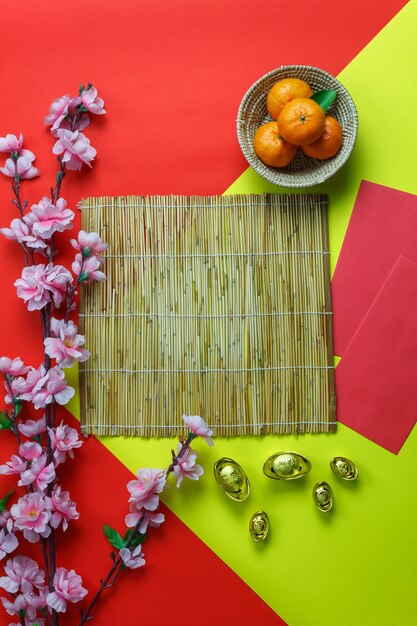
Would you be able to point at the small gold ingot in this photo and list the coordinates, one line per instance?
(343, 468)
(323, 496)
(286, 466)
(232, 478)
(259, 526)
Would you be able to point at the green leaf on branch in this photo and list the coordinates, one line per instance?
(17, 407)
(324, 98)
(113, 537)
(4, 501)
(139, 538)
(5, 421)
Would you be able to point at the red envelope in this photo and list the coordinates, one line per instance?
(383, 226)
(376, 380)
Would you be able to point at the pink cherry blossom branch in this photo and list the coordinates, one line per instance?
(118, 564)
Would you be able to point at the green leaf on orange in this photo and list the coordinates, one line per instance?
(324, 98)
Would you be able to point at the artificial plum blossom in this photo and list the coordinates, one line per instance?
(46, 218)
(132, 559)
(21, 168)
(10, 143)
(24, 388)
(37, 600)
(16, 465)
(31, 288)
(186, 466)
(86, 269)
(64, 345)
(19, 606)
(39, 474)
(64, 439)
(13, 368)
(6, 520)
(143, 490)
(67, 588)
(149, 518)
(23, 573)
(89, 244)
(20, 232)
(63, 509)
(58, 111)
(56, 279)
(31, 514)
(75, 149)
(33, 428)
(30, 450)
(54, 388)
(91, 101)
(8, 543)
(198, 426)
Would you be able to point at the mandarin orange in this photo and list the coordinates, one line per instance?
(283, 91)
(301, 121)
(329, 142)
(271, 148)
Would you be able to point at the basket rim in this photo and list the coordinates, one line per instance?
(293, 179)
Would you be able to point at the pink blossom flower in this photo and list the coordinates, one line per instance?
(89, 244)
(24, 388)
(63, 509)
(31, 514)
(149, 518)
(58, 111)
(186, 466)
(33, 428)
(46, 218)
(22, 573)
(92, 102)
(64, 439)
(30, 450)
(56, 279)
(54, 388)
(8, 543)
(143, 490)
(15, 466)
(132, 560)
(31, 287)
(64, 346)
(21, 168)
(10, 143)
(6, 520)
(13, 368)
(37, 600)
(75, 149)
(19, 606)
(67, 588)
(198, 427)
(40, 474)
(86, 269)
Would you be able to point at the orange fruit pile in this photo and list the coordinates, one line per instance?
(298, 122)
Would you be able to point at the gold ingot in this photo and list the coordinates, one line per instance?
(259, 526)
(232, 478)
(286, 466)
(343, 468)
(323, 496)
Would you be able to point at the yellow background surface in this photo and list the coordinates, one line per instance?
(357, 565)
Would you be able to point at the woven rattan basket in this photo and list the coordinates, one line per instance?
(303, 171)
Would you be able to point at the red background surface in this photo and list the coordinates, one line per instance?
(172, 75)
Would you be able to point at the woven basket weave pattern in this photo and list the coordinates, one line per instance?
(303, 171)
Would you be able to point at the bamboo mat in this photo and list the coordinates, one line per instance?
(216, 306)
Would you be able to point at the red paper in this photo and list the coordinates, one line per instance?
(382, 227)
(376, 380)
